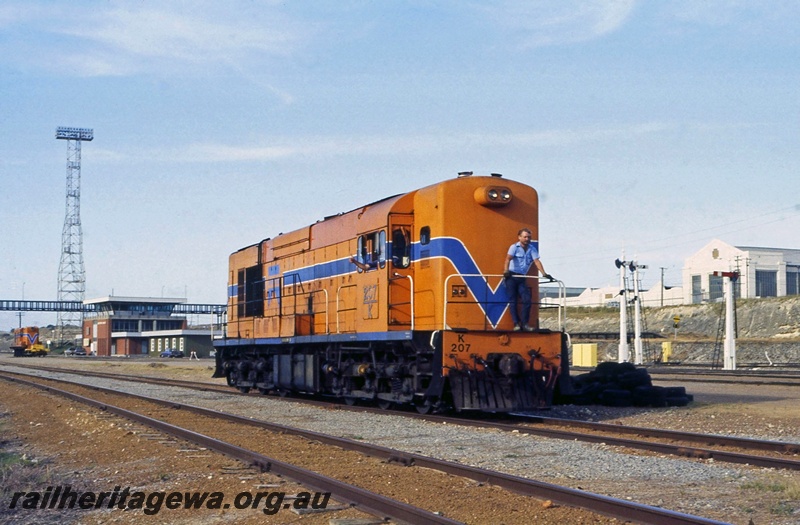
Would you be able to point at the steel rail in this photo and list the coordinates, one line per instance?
(606, 505)
(369, 502)
(743, 376)
(781, 447)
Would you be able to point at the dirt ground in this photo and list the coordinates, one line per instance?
(66, 444)
(70, 445)
(48, 442)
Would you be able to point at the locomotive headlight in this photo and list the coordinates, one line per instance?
(493, 196)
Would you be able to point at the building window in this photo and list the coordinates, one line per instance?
(766, 283)
(697, 290)
(181, 344)
(169, 325)
(124, 325)
(792, 280)
(714, 288)
(159, 345)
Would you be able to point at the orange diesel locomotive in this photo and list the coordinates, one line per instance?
(397, 302)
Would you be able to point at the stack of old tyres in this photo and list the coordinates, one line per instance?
(623, 385)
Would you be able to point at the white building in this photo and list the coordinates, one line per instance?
(764, 272)
(610, 296)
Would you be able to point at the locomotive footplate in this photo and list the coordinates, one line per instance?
(501, 371)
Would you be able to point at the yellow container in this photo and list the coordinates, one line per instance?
(666, 351)
(584, 354)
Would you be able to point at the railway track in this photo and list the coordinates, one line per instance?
(760, 376)
(218, 431)
(745, 451)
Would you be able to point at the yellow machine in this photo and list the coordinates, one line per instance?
(27, 343)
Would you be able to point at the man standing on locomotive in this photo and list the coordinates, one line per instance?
(521, 256)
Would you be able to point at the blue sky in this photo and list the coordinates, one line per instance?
(651, 127)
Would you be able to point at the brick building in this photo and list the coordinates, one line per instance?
(140, 326)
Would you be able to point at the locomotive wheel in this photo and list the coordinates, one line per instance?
(244, 389)
(263, 391)
(350, 401)
(283, 392)
(385, 405)
(424, 408)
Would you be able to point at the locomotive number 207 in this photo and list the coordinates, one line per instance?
(460, 345)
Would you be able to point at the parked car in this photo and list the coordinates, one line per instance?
(70, 351)
(79, 352)
(171, 353)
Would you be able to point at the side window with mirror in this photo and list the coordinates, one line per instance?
(401, 248)
(371, 251)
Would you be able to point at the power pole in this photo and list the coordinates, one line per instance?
(662, 285)
(71, 272)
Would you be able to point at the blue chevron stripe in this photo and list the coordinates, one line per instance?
(492, 301)
(32, 338)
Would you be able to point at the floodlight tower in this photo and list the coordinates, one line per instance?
(71, 273)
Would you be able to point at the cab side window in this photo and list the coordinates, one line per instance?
(401, 248)
(372, 249)
(425, 235)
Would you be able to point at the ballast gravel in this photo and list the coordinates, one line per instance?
(703, 487)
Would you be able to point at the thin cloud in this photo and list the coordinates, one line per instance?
(153, 37)
(539, 23)
(183, 36)
(277, 148)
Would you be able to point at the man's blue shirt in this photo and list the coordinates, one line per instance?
(522, 258)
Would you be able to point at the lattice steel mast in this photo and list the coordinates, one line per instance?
(71, 272)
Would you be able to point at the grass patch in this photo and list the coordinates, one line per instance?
(8, 460)
(789, 488)
(782, 509)
(17, 472)
(764, 486)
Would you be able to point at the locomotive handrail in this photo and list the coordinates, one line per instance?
(411, 279)
(339, 289)
(562, 306)
(562, 294)
(327, 327)
(462, 275)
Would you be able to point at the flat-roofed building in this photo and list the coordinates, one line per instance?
(764, 272)
(140, 326)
